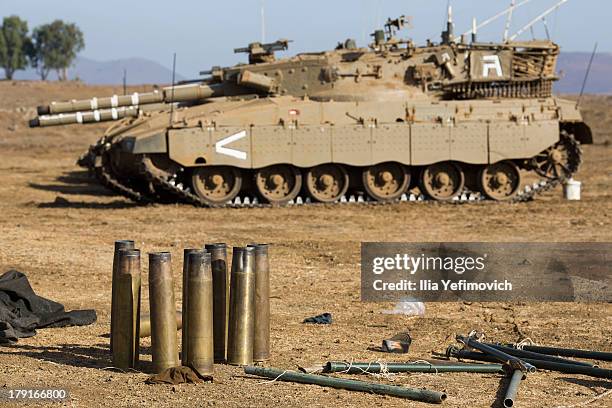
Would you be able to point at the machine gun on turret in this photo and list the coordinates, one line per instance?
(259, 52)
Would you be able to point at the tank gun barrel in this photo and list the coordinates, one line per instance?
(102, 115)
(179, 93)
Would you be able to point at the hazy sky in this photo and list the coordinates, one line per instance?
(204, 33)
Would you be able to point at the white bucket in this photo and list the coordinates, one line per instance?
(571, 190)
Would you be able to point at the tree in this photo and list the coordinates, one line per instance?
(55, 47)
(14, 45)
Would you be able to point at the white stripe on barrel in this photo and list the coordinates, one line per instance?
(135, 99)
(97, 115)
(94, 104)
(79, 117)
(114, 114)
(114, 101)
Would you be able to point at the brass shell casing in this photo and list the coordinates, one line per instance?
(145, 323)
(125, 336)
(242, 307)
(121, 244)
(221, 298)
(199, 333)
(261, 341)
(164, 348)
(185, 299)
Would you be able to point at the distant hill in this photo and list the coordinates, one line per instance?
(139, 71)
(572, 67)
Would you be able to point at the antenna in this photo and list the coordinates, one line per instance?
(172, 93)
(546, 28)
(538, 18)
(498, 15)
(124, 81)
(263, 21)
(586, 76)
(509, 20)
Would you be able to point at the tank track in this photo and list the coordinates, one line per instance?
(172, 186)
(97, 162)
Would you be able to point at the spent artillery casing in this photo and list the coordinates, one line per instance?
(261, 341)
(515, 381)
(119, 245)
(242, 307)
(185, 307)
(199, 338)
(125, 336)
(164, 348)
(424, 395)
(145, 323)
(221, 298)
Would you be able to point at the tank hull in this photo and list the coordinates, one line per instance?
(245, 138)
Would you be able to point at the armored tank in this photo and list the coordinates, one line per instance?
(445, 121)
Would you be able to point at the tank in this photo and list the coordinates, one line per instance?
(447, 121)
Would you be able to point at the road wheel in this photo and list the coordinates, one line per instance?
(442, 181)
(278, 184)
(327, 183)
(216, 185)
(500, 181)
(386, 181)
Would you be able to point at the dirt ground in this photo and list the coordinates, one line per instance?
(65, 246)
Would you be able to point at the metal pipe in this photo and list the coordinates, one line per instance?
(242, 308)
(185, 300)
(574, 353)
(376, 368)
(119, 245)
(125, 337)
(509, 20)
(544, 365)
(93, 104)
(537, 356)
(221, 298)
(179, 93)
(164, 348)
(261, 340)
(415, 394)
(199, 320)
(84, 117)
(500, 14)
(538, 18)
(515, 381)
(512, 361)
(145, 323)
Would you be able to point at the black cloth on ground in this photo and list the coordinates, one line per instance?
(22, 311)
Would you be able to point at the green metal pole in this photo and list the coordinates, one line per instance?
(376, 368)
(544, 365)
(575, 353)
(537, 356)
(415, 394)
(512, 361)
(512, 390)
